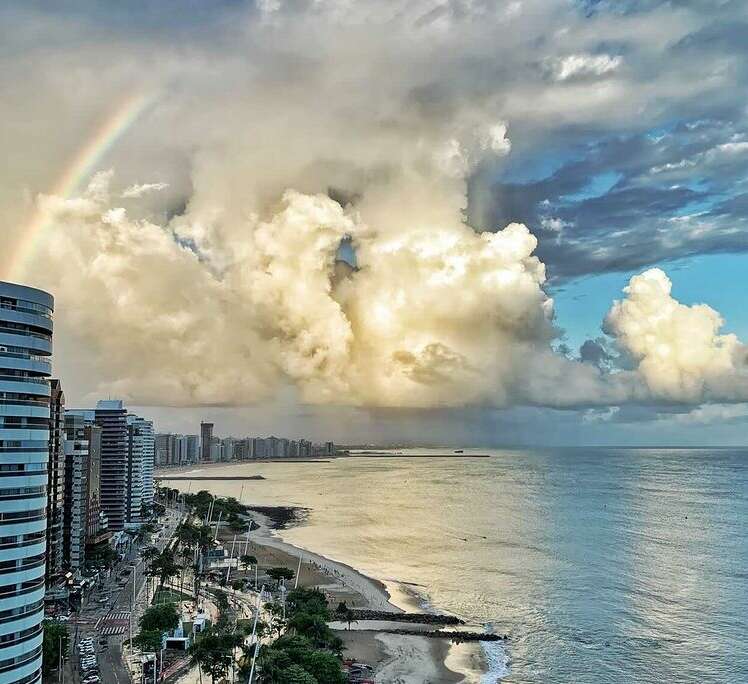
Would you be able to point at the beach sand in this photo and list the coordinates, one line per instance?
(397, 659)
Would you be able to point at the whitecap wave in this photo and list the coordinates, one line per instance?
(497, 661)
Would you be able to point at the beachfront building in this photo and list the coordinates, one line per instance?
(111, 416)
(176, 450)
(56, 486)
(134, 471)
(86, 527)
(148, 460)
(25, 368)
(206, 441)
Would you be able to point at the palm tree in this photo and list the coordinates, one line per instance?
(345, 614)
(213, 651)
(204, 541)
(187, 554)
(164, 567)
(149, 554)
(247, 561)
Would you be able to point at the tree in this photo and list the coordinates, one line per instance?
(295, 674)
(279, 574)
(314, 628)
(148, 641)
(213, 651)
(237, 525)
(323, 666)
(162, 617)
(164, 567)
(187, 554)
(247, 561)
(55, 641)
(187, 535)
(306, 600)
(148, 554)
(153, 623)
(292, 654)
(345, 614)
(277, 623)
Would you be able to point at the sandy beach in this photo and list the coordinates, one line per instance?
(396, 659)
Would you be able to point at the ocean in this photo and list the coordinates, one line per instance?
(602, 565)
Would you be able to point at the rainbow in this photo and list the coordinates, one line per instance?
(79, 170)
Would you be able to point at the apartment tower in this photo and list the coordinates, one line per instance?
(25, 368)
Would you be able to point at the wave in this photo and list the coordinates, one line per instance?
(497, 662)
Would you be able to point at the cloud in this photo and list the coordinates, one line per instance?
(285, 129)
(678, 349)
(435, 314)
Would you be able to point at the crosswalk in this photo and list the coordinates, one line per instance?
(112, 630)
(114, 623)
(119, 616)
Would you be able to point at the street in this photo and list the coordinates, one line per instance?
(109, 611)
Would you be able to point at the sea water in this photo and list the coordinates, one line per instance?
(602, 565)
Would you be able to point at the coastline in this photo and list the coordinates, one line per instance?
(396, 659)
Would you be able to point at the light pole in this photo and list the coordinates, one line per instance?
(254, 634)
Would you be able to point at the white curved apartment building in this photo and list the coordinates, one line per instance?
(25, 367)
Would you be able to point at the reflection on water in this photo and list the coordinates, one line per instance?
(602, 565)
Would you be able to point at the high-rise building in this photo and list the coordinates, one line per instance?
(206, 441)
(25, 355)
(176, 449)
(55, 484)
(134, 488)
(111, 417)
(192, 448)
(86, 526)
(149, 455)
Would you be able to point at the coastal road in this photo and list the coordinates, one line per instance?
(107, 611)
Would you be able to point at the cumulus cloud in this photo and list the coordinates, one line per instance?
(435, 314)
(679, 350)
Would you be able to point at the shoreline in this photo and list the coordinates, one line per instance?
(400, 659)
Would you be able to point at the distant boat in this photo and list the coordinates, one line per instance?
(459, 451)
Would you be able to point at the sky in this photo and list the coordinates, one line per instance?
(445, 222)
